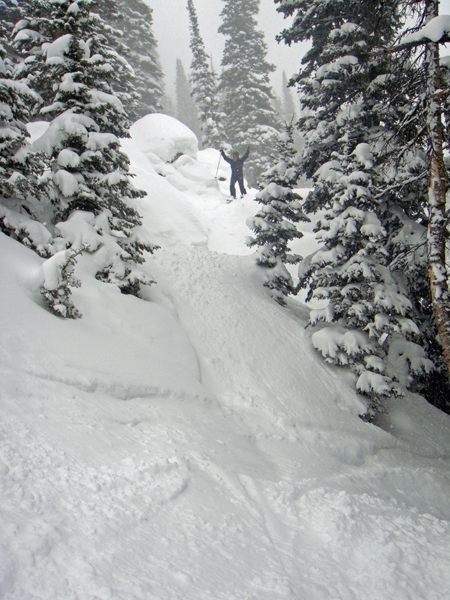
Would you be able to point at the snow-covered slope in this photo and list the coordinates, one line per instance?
(194, 447)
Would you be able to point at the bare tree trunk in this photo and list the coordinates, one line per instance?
(436, 193)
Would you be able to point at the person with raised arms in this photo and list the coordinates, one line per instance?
(237, 171)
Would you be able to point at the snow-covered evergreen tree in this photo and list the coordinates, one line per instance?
(88, 180)
(350, 153)
(278, 107)
(58, 280)
(434, 32)
(21, 199)
(373, 325)
(204, 86)
(186, 111)
(133, 38)
(169, 107)
(10, 13)
(250, 118)
(274, 224)
(44, 22)
(288, 106)
(429, 113)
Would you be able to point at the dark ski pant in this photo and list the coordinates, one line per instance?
(237, 179)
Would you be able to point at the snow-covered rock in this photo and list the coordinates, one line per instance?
(164, 136)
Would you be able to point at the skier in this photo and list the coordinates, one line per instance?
(237, 173)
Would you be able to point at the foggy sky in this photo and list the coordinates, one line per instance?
(171, 28)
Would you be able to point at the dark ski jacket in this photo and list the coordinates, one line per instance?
(236, 165)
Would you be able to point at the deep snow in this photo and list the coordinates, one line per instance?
(194, 446)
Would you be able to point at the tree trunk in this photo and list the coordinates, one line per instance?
(437, 192)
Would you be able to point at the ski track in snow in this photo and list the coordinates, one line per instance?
(234, 329)
(252, 479)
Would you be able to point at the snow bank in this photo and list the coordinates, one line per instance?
(215, 163)
(168, 215)
(133, 350)
(195, 171)
(187, 204)
(164, 136)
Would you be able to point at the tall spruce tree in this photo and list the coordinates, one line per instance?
(88, 181)
(132, 36)
(250, 118)
(347, 85)
(204, 86)
(288, 106)
(169, 107)
(186, 111)
(278, 107)
(274, 224)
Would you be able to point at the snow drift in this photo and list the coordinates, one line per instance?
(164, 136)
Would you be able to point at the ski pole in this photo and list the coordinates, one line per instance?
(217, 172)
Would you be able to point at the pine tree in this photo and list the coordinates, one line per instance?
(250, 118)
(278, 107)
(374, 327)
(21, 201)
(133, 38)
(274, 223)
(431, 115)
(169, 107)
(346, 86)
(43, 23)
(186, 110)
(289, 110)
(204, 86)
(88, 179)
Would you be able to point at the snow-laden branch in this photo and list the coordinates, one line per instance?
(436, 30)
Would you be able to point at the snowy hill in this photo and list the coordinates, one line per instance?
(194, 446)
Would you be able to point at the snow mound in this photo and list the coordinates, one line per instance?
(122, 345)
(186, 201)
(164, 136)
(195, 171)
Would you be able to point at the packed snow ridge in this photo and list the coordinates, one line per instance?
(194, 446)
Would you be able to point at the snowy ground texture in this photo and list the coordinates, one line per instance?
(194, 446)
